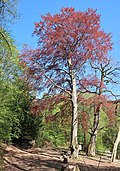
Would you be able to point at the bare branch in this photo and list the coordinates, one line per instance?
(94, 67)
(2, 34)
(111, 93)
(56, 85)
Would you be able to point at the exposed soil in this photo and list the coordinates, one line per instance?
(37, 159)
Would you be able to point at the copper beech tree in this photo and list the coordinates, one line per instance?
(65, 42)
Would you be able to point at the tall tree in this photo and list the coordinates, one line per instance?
(14, 95)
(98, 84)
(65, 42)
(8, 75)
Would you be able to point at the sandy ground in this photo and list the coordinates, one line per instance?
(37, 159)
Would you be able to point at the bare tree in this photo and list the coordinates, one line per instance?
(105, 74)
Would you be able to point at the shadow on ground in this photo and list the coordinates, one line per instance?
(48, 160)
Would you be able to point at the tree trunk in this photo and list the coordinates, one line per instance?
(92, 144)
(117, 141)
(74, 127)
(74, 138)
(85, 145)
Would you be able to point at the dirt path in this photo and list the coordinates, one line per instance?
(37, 159)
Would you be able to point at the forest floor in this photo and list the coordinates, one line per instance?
(37, 159)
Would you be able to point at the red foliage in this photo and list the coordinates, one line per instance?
(76, 33)
(90, 81)
(85, 119)
(98, 101)
(70, 34)
(47, 103)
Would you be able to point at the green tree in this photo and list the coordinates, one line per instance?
(8, 72)
(12, 91)
(8, 14)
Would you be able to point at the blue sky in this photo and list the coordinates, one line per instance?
(31, 10)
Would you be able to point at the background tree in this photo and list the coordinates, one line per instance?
(117, 140)
(14, 96)
(98, 84)
(65, 42)
(8, 75)
(8, 14)
(8, 61)
(8, 11)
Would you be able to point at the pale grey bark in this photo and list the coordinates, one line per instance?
(117, 141)
(74, 129)
(74, 113)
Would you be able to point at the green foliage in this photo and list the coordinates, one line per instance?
(14, 93)
(55, 126)
(29, 126)
(100, 146)
(16, 122)
(109, 137)
(51, 135)
(8, 70)
(10, 110)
